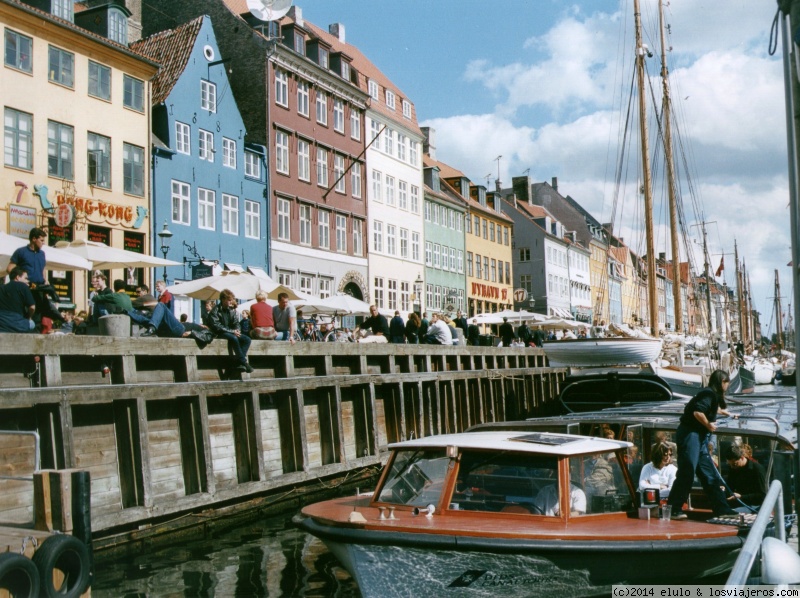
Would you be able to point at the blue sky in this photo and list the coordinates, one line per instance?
(541, 83)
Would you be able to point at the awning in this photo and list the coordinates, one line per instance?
(561, 313)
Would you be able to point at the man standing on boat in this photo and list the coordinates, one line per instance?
(747, 479)
(696, 426)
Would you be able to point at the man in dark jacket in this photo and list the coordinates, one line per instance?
(473, 333)
(524, 333)
(397, 329)
(376, 323)
(17, 304)
(461, 322)
(746, 478)
(224, 323)
(506, 333)
(424, 324)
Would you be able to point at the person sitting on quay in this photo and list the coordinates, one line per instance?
(17, 304)
(375, 329)
(102, 294)
(225, 324)
(412, 328)
(156, 318)
(80, 326)
(67, 324)
(506, 333)
(262, 324)
(473, 333)
(423, 325)
(567, 334)
(164, 296)
(397, 329)
(117, 302)
(438, 332)
(285, 317)
(746, 478)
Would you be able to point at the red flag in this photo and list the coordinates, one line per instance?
(721, 266)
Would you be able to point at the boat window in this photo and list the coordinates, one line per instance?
(505, 482)
(597, 484)
(416, 478)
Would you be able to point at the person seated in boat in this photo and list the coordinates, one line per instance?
(747, 479)
(567, 334)
(662, 437)
(547, 503)
(659, 473)
(600, 479)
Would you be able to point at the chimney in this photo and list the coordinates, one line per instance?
(337, 29)
(554, 184)
(662, 257)
(498, 186)
(429, 144)
(296, 13)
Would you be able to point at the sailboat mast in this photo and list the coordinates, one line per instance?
(652, 299)
(778, 310)
(671, 179)
(742, 324)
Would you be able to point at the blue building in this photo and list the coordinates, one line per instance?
(208, 182)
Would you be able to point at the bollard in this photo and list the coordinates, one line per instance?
(115, 325)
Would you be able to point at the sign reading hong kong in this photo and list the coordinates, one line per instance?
(94, 210)
(489, 292)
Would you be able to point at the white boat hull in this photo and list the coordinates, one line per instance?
(597, 352)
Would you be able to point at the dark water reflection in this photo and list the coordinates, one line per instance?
(268, 558)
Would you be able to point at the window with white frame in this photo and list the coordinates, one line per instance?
(303, 160)
(338, 173)
(402, 195)
(208, 95)
(372, 87)
(460, 261)
(469, 263)
(324, 228)
(415, 240)
(435, 208)
(18, 138)
(405, 296)
(99, 160)
(429, 296)
(377, 186)
(437, 250)
(413, 153)
(388, 141)
(390, 98)
(378, 292)
(358, 237)
(299, 43)
(374, 130)
(228, 152)
(345, 70)
(205, 143)
(325, 285)
(63, 9)
(391, 288)
(322, 107)
(338, 115)
(181, 211)
(453, 265)
(355, 123)
(133, 169)
(404, 243)
(427, 215)
(414, 199)
(428, 253)
(282, 152)
(459, 220)
(341, 233)
(437, 296)
(285, 278)
(281, 88)
(355, 179)
(401, 147)
(306, 284)
(284, 219)
(302, 98)
(500, 271)
(305, 225)
(377, 236)
(323, 58)
(406, 109)
(389, 190)
(252, 219)
(230, 214)
(183, 144)
(117, 26)
(451, 217)
(252, 165)
(206, 209)
(391, 239)
(322, 167)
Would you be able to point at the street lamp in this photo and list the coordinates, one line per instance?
(165, 235)
(418, 291)
(531, 302)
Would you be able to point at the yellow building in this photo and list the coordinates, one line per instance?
(77, 132)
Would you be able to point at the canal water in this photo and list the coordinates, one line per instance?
(266, 558)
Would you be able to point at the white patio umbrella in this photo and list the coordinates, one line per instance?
(57, 259)
(513, 316)
(560, 323)
(339, 305)
(242, 284)
(104, 257)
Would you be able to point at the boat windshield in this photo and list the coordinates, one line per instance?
(506, 482)
(416, 478)
(597, 484)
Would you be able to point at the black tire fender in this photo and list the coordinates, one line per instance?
(18, 575)
(68, 555)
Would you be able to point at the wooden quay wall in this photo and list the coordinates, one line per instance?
(162, 435)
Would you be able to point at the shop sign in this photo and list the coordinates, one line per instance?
(486, 291)
(21, 219)
(520, 295)
(63, 215)
(102, 211)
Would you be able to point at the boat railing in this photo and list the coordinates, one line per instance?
(36, 454)
(752, 546)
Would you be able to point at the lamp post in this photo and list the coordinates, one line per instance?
(418, 292)
(166, 236)
(531, 302)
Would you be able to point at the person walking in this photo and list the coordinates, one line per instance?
(397, 329)
(506, 333)
(696, 426)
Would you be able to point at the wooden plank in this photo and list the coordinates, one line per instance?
(52, 370)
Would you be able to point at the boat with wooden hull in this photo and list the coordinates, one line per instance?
(512, 513)
(598, 352)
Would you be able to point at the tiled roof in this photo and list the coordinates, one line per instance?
(172, 48)
(533, 210)
(445, 171)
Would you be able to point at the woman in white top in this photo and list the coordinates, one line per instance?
(660, 472)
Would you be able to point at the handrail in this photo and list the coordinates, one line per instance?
(36, 454)
(747, 556)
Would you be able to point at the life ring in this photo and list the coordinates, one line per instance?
(18, 575)
(70, 557)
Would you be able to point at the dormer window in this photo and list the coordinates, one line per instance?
(406, 109)
(345, 71)
(323, 58)
(117, 26)
(299, 43)
(390, 99)
(63, 9)
(373, 89)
